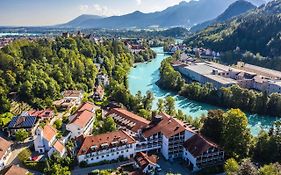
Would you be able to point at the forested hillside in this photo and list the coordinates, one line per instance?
(39, 70)
(257, 31)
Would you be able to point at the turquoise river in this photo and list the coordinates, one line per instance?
(144, 76)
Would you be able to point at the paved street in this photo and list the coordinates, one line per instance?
(85, 171)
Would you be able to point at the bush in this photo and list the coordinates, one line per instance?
(33, 165)
(24, 155)
(83, 164)
(58, 124)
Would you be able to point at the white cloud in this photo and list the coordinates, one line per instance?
(84, 8)
(139, 2)
(98, 10)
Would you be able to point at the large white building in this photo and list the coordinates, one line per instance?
(244, 75)
(5, 152)
(81, 123)
(106, 147)
(169, 136)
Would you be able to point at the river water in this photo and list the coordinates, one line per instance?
(144, 76)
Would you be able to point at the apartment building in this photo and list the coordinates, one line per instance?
(106, 147)
(164, 134)
(200, 153)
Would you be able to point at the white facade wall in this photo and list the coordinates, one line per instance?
(165, 147)
(5, 158)
(125, 151)
(188, 157)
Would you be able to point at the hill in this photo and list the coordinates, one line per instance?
(185, 14)
(237, 8)
(257, 31)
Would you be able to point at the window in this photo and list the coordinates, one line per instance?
(127, 150)
(117, 153)
(102, 156)
(122, 152)
(107, 155)
(98, 157)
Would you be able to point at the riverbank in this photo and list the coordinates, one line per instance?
(145, 75)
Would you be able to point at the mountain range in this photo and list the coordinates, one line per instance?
(237, 8)
(185, 14)
(257, 31)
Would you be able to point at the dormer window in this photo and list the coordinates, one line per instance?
(94, 147)
(123, 141)
(104, 145)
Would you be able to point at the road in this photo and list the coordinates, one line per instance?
(85, 171)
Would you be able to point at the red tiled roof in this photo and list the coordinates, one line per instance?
(4, 146)
(143, 160)
(168, 126)
(72, 93)
(59, 146)
(197, 145)
(86, 106)
(82, 118)
(140, 121)
(49, 132)
(47, 113)
(107, 138)
(16, 170)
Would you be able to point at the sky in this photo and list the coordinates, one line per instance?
(49, 12)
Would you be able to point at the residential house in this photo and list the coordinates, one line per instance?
(46, 141)
(46, 114)
(81, 123)
(99, 93)
(102, 79)
(200, 153)
(70, 99)
(5, 152)
(75, 96)
(147, 164)
(106, 147)
(23, 121)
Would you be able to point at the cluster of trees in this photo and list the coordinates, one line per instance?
(57, 165)
(231, 97)
(231, 57)
(249, 168)
(145, 55)
(229, 130)
(39, 70)
(102, 125)
(258, 32)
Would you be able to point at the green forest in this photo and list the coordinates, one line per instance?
(38, 71)
(257, 32)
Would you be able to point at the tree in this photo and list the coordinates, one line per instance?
(231, 167)
(24, 155)
(271, 169)
(160, 105)
(236, 136)
(21, 135)
(58, 124)
(109, 125)
(58, 169)
(247, 168)
(170, 105)
(213, 126)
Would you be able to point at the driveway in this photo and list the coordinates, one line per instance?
(176, 167)
(85, 171)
